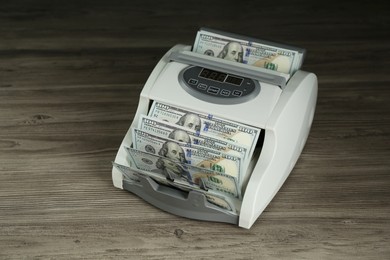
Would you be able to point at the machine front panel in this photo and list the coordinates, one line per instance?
(252, 109)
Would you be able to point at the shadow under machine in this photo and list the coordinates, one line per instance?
(280, 105)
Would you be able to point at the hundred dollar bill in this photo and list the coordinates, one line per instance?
(128, 175)
(181, 134)
(269, 55)
(207, 123)
(216, 199)
(220, 201)
(194, 155)
(191, 176)
(133, 177)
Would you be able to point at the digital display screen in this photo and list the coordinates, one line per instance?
(220, 77)
(213, 75)
(234, 80)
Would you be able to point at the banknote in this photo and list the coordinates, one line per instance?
(216, 199)
(193, 155)
(187, 175)
(220, 201)
(182, 134)
(133, 176)
(128, 175)
(207, 123)
(265, 54)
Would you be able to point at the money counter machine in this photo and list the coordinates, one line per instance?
(280, 105)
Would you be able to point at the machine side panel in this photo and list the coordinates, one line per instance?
(285, 136)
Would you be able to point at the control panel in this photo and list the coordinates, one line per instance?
(217, 86)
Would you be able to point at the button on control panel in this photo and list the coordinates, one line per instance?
(237, 93)
(209, 84)
(202, 86)
(225, 92)
(213, 90)
(193, 81)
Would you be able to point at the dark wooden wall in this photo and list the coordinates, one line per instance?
(70, 77)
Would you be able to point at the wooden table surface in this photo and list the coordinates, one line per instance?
(70, 77)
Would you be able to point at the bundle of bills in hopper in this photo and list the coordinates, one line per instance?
(183, 174)
(269, 55)
(195, 155)
(189, 150)
(232, 141)
(214, 198)
(165, 129)
(201, 123)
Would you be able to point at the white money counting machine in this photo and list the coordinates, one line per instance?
(282, 106)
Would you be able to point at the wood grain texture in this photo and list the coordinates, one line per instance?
(70, 77)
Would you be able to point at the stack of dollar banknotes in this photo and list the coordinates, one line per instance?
(264, 54)
(194, 151)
